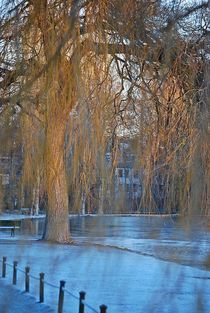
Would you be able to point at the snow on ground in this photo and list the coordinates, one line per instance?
(13, 300)
(14, 217)
(125, 281)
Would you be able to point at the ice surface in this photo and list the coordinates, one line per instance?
(120, 276)
(13, 300)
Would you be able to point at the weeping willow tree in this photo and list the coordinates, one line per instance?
(60, 56)
(10, 158)
(51, 54)
(167, 136)
(32, 171)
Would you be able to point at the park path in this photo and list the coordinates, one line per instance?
(13, 300)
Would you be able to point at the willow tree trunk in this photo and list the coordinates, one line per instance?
(57, 219)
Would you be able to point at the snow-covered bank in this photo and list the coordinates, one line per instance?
(13, 300)
(126, 282)
(14, 217)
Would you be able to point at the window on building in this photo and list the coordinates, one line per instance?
(5, 179)
(120, 173)
(126, 173)
(134, 187)
(136, 175)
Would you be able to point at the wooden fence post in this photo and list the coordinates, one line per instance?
(61, 296)
(41, 287)
(4, 266)
(81, 304)
(27, 278)
(103, 308)
(14, 279)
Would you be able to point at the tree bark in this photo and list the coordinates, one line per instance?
(57, 219)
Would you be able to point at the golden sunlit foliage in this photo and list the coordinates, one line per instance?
(86, 75)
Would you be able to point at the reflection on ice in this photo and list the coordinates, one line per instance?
(167, 238)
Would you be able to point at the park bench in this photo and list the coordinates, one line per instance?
(11, 225)
(12, 229)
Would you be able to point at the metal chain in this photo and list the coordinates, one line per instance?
(9, 264)
(51, 285)
(54, 286)
(20, 270)
(83, 301)
(71, 294)
(89, 306)
(34, 277)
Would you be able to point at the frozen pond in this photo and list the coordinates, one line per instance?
(122, 262)
(174, 239)
(168, 238)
